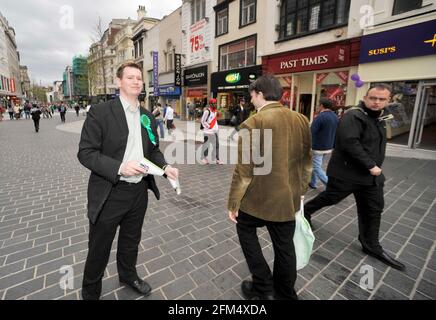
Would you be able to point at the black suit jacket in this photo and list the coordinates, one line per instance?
(101, 150)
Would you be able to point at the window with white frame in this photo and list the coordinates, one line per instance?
(198, 10)
(248, 12)
(238, 54)
(222, 22)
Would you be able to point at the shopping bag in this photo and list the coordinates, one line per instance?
(303, 238)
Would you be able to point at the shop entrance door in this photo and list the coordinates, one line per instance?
(423, 130)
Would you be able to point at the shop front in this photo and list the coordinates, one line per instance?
(309, 74)
(195, 87)
(170, 94)
(405, 58)
(231, 86)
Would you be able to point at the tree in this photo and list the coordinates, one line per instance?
(96, 59)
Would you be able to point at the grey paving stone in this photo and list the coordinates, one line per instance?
(148, 255)
(336, 273)
(202, 244)
(24, 288)
(24, 254)
(54, 265)
(427, 288)
(159, 263)
(183, 253)
(223, 263)
(200, 259)
(14, 248)
(230, 295)
(202, 274)
(160, 278)
(399, 281)
(183, 267)
(178, 288)
(43, 258)
(51, 293)
(226, 281)
(206, 291)
(321, 288)
(306, 295)
(352, 291)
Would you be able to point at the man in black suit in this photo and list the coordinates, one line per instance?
(112, 143)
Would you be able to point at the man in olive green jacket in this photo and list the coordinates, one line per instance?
(270, 198)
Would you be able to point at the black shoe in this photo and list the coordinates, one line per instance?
(138, 285)
(250, 294)
(385, 258)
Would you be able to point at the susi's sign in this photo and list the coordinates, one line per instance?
(412, 41)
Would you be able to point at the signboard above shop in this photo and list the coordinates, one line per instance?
(238, 79)
(195, 76)
(336, 56)
(412, 41)
(168, 91)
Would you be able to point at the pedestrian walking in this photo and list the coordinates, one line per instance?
(112, 144)
(10, 111)
(62, 111)
(355, 168)
(323, 131)
(158, 115)
(169, 118)
(209, 125)
(271, 199)
(240, 114)
(27, 108)
(77, 109)
(36, 116)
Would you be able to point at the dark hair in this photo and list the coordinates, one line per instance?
(269, 86)
(326, 103)
(380, 86)
(120, 70)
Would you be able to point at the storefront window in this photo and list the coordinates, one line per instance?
(333, 86)
(401, 107)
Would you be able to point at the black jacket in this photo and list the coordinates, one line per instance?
(101, 150)
(360, 145)
(36, 113)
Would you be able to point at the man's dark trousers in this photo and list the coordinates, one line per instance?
(36, 123)
(125, 206)
(285, 273)
(369, 201)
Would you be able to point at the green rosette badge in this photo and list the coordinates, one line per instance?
(146, 123)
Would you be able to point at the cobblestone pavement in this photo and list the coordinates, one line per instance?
(189, 249)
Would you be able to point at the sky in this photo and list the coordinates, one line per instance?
(49, 33)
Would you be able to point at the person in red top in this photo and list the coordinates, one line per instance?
(209, 125)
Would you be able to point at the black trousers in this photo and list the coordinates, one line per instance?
(369, 201)
(281, 282)
(63, 116)
(125, 207)
(36, 123)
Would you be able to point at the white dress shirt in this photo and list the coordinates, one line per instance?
(169, 114)
(134, 150)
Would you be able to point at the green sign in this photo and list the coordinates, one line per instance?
(233, 78)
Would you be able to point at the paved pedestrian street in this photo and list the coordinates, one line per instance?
(189, 248)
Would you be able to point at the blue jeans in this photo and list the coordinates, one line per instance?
(161, 128)
(318, 171)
